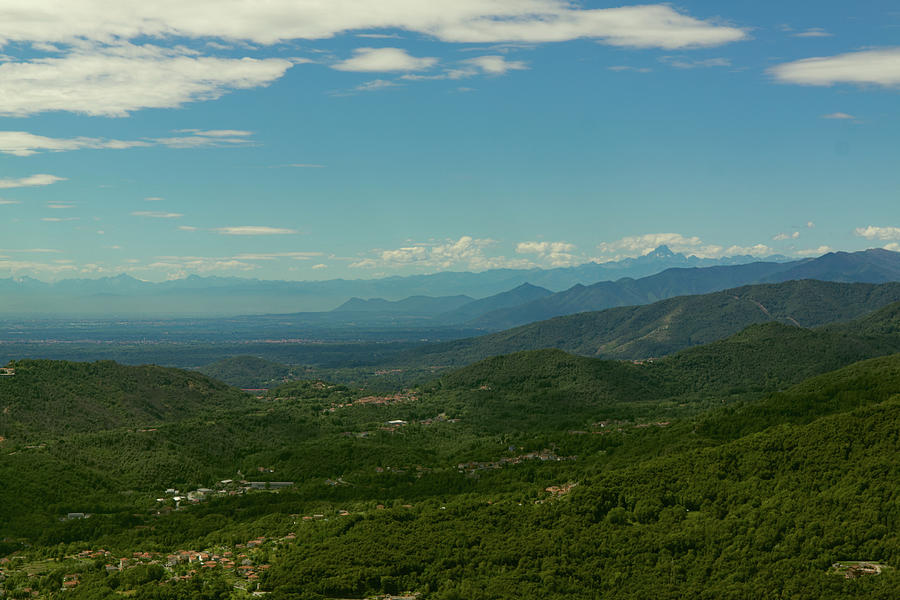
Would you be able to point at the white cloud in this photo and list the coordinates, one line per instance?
(30, 181)
(867, 67)
(115, 80)
(153, 214)
(177, 267)
(306, 166)
(755, 250)
(216, 133)
(376, 84)
(786, 236)
(60, 219)
(464, 253)
(543, 247)
(839, 116)
(878, 233)
(471, 67)
(254, 230)
(813, 32)
(815, 251)
(495, 64)
(36, 268)
(22, 143)
(381, 60)
(480, 21)
(153, 199)
(320, 266)
(277, 255)
(640, 245)
(810, 225)
(556, 254)
(187, 228)
(59, 206)
(364, 263)
(893, 247)
(201, 139)
(5, 202)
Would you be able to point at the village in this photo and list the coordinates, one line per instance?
(472, 466)
(243, 564)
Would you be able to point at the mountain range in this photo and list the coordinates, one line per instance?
(195, 296)
(667, 326)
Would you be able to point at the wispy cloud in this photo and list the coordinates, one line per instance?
(375, 84)
(839, 116)
(621, 68)
(23, 143)
(31, 250)
(153, 214)
(786, 236)
(684, 63)
(254, 230)
(40, 179)
(812, 32)
(495, 64)
(60, 219)
(277, 255)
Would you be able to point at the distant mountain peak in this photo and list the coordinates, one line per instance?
(662, 251)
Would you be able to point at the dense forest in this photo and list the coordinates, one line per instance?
(760, 466)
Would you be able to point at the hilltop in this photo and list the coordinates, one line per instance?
(51, 398)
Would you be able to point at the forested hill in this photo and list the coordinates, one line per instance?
(532, 476)
(869, 266)
(661, 328)
(247, 371)
(49, 398)
(759, 360)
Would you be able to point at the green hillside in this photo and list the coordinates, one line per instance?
(714, 473)
(869, 266)
(247, 371)
(51, 398)
(661, 328)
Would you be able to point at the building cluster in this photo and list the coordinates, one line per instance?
(544, 455)
(375, 401)
(226, 487)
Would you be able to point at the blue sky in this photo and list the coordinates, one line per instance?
(355, 139)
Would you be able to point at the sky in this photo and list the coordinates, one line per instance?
(321, 139)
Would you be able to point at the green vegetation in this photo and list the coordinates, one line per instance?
(664, 327)
(50, 398)
(746, 468)
(248, 371)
